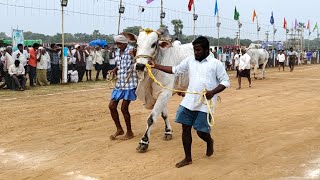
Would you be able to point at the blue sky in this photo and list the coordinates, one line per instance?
(87, 15)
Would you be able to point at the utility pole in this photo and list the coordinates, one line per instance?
(195, 17)
(161, 14)
(121, 11)
(267, 34)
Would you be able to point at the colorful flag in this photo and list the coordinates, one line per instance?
(284, 24)
(296, 24)
(272, 18)
(308, 26)
(190, 4)
(236, 14)
(149, 1)
(315, 27)
(216, 8)
(254, 15)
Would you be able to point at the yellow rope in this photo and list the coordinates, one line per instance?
(202, 94)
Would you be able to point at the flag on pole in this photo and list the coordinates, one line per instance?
(315, 27)
(190, 4)
(308, 26)
(284, 24)
(236, 14)
(272, 18)
(149, 1)
(254, 15)
(216, 8)
(296, 24)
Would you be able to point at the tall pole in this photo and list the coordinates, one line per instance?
(258, 29)
(273, 51)
(309, 40)
(161, 22)
(239, 27)
(218, 27)
(63, 60)
(119, 20)
(194, 21)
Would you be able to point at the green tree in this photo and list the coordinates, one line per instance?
(3, 35)
(134, 29)
(177, 26)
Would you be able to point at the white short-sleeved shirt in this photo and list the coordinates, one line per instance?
(244, 62)
(281, 57)
(207, 74)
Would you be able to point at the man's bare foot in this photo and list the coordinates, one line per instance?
(127, 136)
(238, 88)
(118, 133)
(249, 85)
(184, 162)
(210, 148)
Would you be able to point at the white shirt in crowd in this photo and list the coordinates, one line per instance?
(72, 59)
(98, 59)
(43, 63)
(244, 62)
(207, 74)
(236, 60)
(13, 70)
(23, 58)
(281, 57)
(176, 43)
(7, 60)
(74, 78)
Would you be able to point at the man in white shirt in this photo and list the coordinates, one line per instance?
(17, 73)
(7, 61)
(42, 65)
(176, 42)
(244, 68)
(281, 58)
(73, 76)
(98, 61)
(236, 61)
(21, 55)
(292, 58)
(205, 72)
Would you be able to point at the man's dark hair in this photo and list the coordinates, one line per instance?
(203, 41)
(16, 62)
(52, 45)
(177, 39)
(20, 45)
(36, 45)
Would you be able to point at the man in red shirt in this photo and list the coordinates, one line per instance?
(33, 62)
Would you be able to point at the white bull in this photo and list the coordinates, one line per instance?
(155, 45)
(258, 57)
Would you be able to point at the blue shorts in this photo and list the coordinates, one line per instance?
(129, 95)
(197, 119)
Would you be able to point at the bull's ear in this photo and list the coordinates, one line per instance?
(165, 44)
(130, 36)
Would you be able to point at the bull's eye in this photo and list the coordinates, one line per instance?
(153, 45)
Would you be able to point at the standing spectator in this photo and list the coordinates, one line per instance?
(55, 59)
(281, 58)
(23, 56)
(244, 68)
(17, 73)
(125, 89)
(237, 61)
(80, 56)
(89, 62)
(112, 58)
(292, 58)
(309, 57)
(42, 64)
(33, 63)
(7, 61)
(106, 62)
(98, 61)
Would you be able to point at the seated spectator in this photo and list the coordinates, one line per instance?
(73, 76)
(17, 73)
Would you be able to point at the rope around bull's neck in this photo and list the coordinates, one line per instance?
(202, 99)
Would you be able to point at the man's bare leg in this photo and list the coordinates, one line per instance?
(187, 142)
(127, 118)
(115, 116)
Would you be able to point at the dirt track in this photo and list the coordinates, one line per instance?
(271, 131)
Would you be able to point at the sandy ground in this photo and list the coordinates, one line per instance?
(271, 131)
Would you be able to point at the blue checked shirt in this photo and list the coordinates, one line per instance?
(125, 68)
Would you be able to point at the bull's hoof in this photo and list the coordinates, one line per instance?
(167, 137)
(142, 148)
